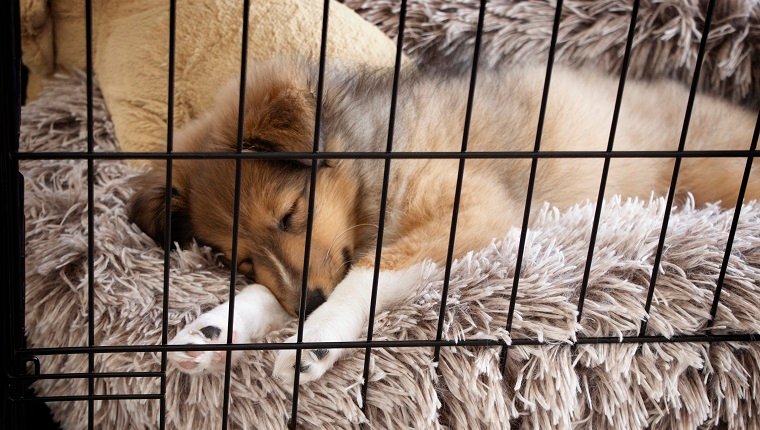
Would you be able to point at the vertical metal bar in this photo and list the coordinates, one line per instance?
(734, 224)
(236, 214)
(460, 177)
(677, 165)
(532, 178)
(606, 168)
(310, 216)
(11, 215)
(383, 199)
(167, 210)
(90, 219)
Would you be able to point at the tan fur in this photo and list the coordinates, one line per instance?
(279, 116)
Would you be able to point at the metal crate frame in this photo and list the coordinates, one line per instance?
(16, 356)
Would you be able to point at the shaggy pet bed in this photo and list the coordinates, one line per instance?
(592, 33)
(659, 386)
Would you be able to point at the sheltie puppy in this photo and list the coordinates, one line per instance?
(280, 108)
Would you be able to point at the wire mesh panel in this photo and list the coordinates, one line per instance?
(22, 364)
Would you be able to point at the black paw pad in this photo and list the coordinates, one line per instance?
(211, 332)
(303, 368)
(320, 353)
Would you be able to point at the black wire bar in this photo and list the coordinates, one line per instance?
(460, 177)
(89, 398)
(734, 225)
(310, 216)
(235, 216)
(12, 303)
(532, 178)
(167, 210)
(413, 343)
(383, 202)
(82, 375)
(606, 168)
(400, 155)
(677, 165)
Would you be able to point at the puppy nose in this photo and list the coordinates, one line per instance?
(314, 298)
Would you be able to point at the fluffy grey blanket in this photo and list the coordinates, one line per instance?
(660, 386)
(592, 33)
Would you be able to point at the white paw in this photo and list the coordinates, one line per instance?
(314, 362)
(342, 319)
(209, 328)
(331, 322)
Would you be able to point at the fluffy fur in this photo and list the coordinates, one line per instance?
(279, 111)
(593, 34)
(592, 386)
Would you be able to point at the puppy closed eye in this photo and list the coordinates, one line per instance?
(288, 221)
(285, 221)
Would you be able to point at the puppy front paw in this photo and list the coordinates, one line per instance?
(314, 362)
(342, 318)
(210, 328)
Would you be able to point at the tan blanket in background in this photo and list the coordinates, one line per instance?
(131, 41)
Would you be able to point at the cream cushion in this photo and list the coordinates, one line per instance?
(131, 45)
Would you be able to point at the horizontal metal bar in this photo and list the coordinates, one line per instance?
(379, 155)
(83, 375)
(384, 344)
(87, 398)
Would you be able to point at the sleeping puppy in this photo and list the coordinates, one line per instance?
(280, 106)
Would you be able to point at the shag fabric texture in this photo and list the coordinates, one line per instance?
(659, 386)
(592, 33)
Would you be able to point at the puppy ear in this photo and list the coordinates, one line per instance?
(147, 209)
(284, 123)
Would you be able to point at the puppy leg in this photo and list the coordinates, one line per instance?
(343, 317)
(257, 312)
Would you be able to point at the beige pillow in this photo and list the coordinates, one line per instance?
(130, 46)
(37, 43)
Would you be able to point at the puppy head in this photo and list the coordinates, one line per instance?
(274, 195)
